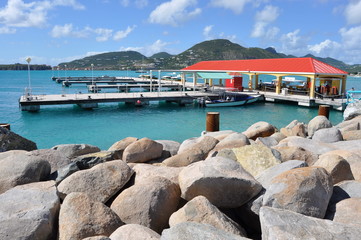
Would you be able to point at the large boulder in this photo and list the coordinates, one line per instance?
(100, 182)
(348, 211)
(149, 203)
(350, 125)
(318, 122)
(142, 151)
(222, 181)
(265, 178)
(295, 128)
(91, 159)
(56, 159)
(145, 171)
(352, 110)
(259, 129)
(282, 224)
(75, 150)
(29, 211)
(134, 231)
(351, 135)
(257, 158)
(200, 210)
(296, 153)
(82, 217)
(170, 148)
(21, 169)
(310, 145)
(336, 166)
(267, 141)
(121, 145)
(304, 190)
(328, 135)
(197, 231)
(12, 141)
(195, 153)
(233, 140)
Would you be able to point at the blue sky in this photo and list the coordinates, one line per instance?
(54, 31)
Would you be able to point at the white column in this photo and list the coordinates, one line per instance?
(194, 81)
(159, 81)
(151, 79)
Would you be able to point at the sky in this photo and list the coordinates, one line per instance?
(55, 31)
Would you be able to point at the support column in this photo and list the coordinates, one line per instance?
(256, 82)
(151, 80)
(194, 81)
(183, 80)
(250, 82)
(343, 85)
(312, 88)
(220, 82)
(278, 84)
(211, 82)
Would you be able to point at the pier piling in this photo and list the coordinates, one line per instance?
(324, 110)
(212, 121)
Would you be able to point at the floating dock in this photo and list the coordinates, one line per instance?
(91, 100)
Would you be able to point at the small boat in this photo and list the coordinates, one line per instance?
(232, 100)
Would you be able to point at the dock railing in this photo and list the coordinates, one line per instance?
(353, 96)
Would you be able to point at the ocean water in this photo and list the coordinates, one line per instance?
(112, 122)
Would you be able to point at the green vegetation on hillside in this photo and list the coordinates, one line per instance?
(18, 66)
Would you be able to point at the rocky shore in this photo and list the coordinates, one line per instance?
(302, 181)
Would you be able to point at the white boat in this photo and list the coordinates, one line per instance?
(233, 100)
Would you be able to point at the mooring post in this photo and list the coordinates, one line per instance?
(212, 121)
(324, 110)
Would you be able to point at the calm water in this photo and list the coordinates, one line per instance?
(109, 123)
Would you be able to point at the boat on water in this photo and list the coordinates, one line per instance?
(232, 100)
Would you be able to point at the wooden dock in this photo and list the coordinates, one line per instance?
(91, 100)
(128, 87)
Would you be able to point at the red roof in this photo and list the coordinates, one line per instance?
(274, 65)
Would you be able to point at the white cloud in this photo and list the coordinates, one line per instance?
(174, 12)
(236, 6)
(124, 3)
(123, 34)
(103, 34)
(293, 43)
(33, 14)
(326, 48)
(263, 18)
(62, 31)
(7, 30)
(141, 3)
(352, 12)
(351, 38)
(206, 32)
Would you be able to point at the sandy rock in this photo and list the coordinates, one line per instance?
(197, 152)
(296, 153)
(134, 231)
(318, 122)
(310, 145)
(328, 135)
(278, 136)
(148, 203)
(90, 160)
(145, 171)
(259, 129)
(56, 159)
(197, 231)
(304, 190)
(351, 135)
(280, 224)
(233, 140)
(219, 135)
(336, 166)
(11, 153)
(200, 210)
(265, 178)
(295, 128)
(257, 158)
(351, 145)
(121, 145)
(81, 217)
(226, 153)
(12, 141)
(170, 147)
(97, 238)
(29, 211)
(349, 125)
(348, 211)
(222, 181)
(100, 182)
(21, 169)
(267, 141)
(352, 110)
(142, 151)
(75, 150)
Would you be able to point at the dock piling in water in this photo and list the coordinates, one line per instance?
(212, 122)
(324, 110)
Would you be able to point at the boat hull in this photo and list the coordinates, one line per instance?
(225, 103)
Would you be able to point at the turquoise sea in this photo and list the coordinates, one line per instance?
(109, 123)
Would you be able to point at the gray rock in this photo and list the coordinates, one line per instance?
(222, 181)
(75, 150)
(296, 153)
(265, 178)
(81, 217)
(21, 169)
(267, 141)
(352, 145)
(56, 159)
(121, 145)
(170, 147)
(142, 151)
(11, 153)
(352, 110)
(12, 141)
(328, 135)
(134, 231)
(304, 190)
(90, 160)
(145, 171)
(219, 135)
(148, 203)
(295, 128)
(278, 136)
(349, 125)
(227, 153)
(348, 211)
(197, 231)
(200, 210)
(259, 129)
(351, 135)
(29, 211)
(206, 143)
(97, 238)
(318, 122)
(100, 182)
(280, 224)
(64, 172)
(233, 140)
(310, 145)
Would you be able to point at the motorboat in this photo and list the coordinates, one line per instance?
(232, 100)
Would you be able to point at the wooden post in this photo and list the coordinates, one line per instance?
(324, 110)
(212, 121)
